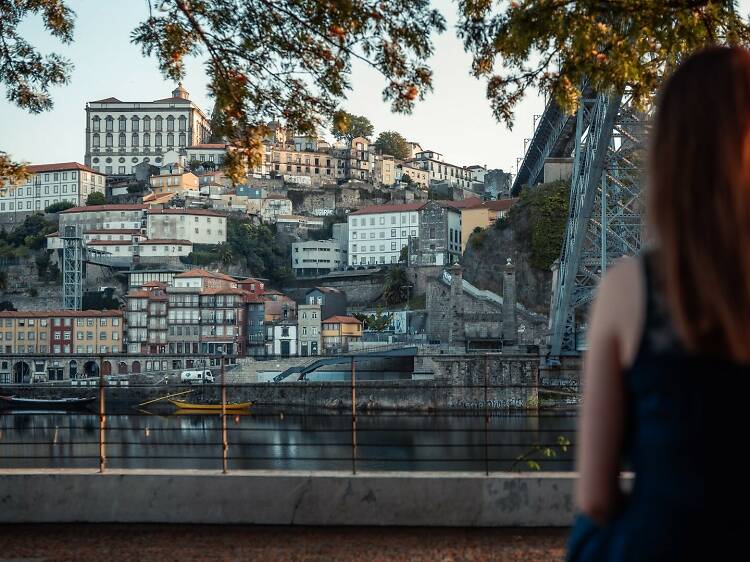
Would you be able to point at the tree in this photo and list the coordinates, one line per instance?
(391, 142)
(348, 127)
(7, 305)
(396, 286)
(556, 45)
(95, 198)
(406, 178)
(59, 206)
(217, 124)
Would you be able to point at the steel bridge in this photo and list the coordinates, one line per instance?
(606, 139)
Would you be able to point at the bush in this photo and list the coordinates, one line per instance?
(59, 206)
(96, 198)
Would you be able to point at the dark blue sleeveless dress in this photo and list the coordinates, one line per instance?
(664, 518)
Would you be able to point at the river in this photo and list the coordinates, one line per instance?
(275, 438)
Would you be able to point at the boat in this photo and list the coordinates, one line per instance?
(229, 406)
(65, 403)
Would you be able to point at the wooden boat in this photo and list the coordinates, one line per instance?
(213, 408)
(65, 403)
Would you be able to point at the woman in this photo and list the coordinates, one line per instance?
(669, 327)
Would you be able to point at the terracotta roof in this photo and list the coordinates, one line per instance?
(208, 145)
(223, 291)
(61, 166)
(341, 320)
(103, 208)
(52, 235)
(174, 100)
(501, 204)
(470, 203)
(204, 212)
(203, 273)
(251, 297)
(167, 241)
(97, 242)
(58, 313)
(112, 231)
(107, 100)
(401, 208)
(138, 294)
(158, 284)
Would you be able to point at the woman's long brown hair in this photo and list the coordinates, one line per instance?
(700, 201)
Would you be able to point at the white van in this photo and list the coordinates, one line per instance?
(197, 377)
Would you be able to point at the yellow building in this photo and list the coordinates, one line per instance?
(499, 208)
(337, 331)
(174, 179)
(385, 169)
(61, 332)
(417, 175)
(474, 213)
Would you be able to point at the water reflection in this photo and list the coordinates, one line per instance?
(284, 439)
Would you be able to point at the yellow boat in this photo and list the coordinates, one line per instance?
(230, 406)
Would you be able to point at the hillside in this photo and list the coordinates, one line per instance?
(531, 235)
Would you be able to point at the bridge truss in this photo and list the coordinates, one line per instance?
(606, 138)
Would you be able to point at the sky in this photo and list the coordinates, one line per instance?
(454, 119)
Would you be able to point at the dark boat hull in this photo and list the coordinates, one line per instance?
(56, 403)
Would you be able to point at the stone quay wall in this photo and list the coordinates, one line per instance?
(492, 382)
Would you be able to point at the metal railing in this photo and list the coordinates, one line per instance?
(327, 425)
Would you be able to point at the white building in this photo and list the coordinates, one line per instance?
(378, 233)
(48, 184)
(282, 338)
(477, 173)
(271, 207)
(201, 226)
(318, 257)
(440, 170)
(121, 134)
(155, 251)
(209, 155)
(104, 217)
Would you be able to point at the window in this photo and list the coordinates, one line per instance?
(134, 139)
(170, 139)
(122, 123)
(108, 140)
(146, 139)
(393, 233)
(158, 124)
(183, 123)
(121, 141)
(157, 139)
(108, 123)
(96, 124)
(134, 123)
(170, 123)
(96, 140)
(147, 123)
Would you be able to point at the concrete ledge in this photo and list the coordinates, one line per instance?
(287, 498)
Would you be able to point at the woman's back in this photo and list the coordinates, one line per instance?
(664, 442)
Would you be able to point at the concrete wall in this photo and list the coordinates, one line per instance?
(288, 498)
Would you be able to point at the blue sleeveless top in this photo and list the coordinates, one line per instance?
(664, 518)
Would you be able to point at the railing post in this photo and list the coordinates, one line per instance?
(224, 440)
(102, 419)
(354, 418)
(486, 417)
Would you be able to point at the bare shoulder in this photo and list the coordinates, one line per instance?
(619, 309)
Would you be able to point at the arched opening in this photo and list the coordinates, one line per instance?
(122, 368)
(136, 367)
(91, 369)
(106, 368)
(21, 372)
(73, 369)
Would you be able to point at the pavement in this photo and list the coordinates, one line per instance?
(109, 542)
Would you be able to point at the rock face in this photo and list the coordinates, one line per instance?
(531, 237)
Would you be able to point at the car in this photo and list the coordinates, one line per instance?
(197, 377)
